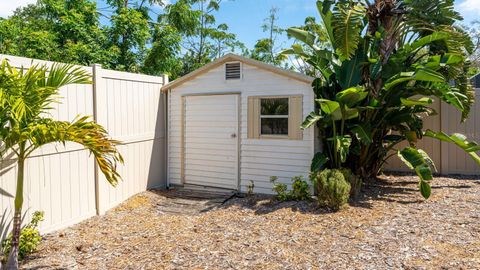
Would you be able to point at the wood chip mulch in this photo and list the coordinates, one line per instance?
(389, 227)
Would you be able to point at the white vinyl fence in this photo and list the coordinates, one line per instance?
(448, 158)
(63, 181)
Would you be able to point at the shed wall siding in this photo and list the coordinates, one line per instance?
(259, 158)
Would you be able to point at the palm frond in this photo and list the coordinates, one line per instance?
(82, 131)
(60, 75)
(29, 93)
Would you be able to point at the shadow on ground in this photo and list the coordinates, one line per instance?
(400, 188)
(187, 202)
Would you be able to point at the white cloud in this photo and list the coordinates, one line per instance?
(8, 6)
(469, 6)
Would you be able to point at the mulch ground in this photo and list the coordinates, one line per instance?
(389, 227)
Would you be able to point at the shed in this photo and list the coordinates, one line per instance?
(237, 120)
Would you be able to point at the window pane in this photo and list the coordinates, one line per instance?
(274, 126)
(274, 106)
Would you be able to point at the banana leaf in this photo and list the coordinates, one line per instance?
(420, 162)
(460, 140)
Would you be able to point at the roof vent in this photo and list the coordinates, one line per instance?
(232, 71)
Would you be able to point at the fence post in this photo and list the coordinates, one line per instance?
(164, 97)
(96, 79)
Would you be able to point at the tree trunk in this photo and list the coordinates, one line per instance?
(381, 14)
(12, 263)
(368, 162)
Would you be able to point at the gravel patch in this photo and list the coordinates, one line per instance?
(389, 227)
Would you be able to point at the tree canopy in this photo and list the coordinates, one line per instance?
(183, 37)
(67, 31)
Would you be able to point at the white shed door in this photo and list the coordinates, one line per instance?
(211, 141)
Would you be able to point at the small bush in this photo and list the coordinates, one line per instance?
(282, 191)
(29, 237)
(279, 188)
(355, 182)
(300, 189)
(332, 189)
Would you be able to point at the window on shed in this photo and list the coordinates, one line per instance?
(275, 117)
(233, 71)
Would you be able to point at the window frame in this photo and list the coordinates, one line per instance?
(295, 116)
(282, 116)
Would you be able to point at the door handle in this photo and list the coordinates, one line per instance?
(233, 135)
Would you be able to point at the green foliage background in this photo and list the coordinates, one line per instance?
(181, 39)
(379, 65)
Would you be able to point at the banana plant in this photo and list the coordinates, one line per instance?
(26, 97)
(334, 114)
(379, 66)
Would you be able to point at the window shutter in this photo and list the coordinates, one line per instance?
(253, 118)
(295, 119)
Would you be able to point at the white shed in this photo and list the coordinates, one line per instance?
(237, 120)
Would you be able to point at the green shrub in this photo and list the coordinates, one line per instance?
(300, 189)
(279, 188)
(332, 189)
(355, 182)
(29, 237)
(282, 191)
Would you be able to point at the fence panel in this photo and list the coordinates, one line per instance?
(131, 109)
(62, 180)
(58, 180)
(448, 158)
(454, 159)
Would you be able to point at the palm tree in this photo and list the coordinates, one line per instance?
(25, 100)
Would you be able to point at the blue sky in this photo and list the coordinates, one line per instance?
(245, 17)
